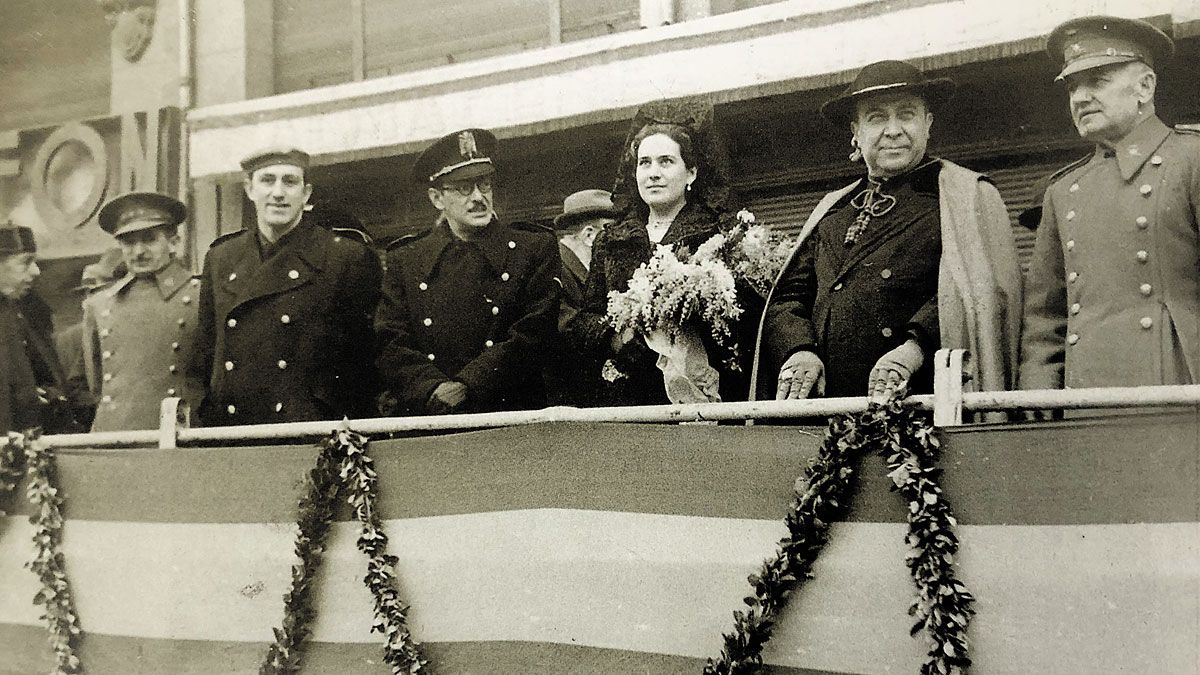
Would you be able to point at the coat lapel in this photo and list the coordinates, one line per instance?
(295, 265)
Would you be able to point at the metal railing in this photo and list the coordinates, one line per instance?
(949, 402)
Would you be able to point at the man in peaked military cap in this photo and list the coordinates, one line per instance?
(137, 330)
(469, 307)
(285, 309)
(917, 254)
(1113, 293)
(33, 386)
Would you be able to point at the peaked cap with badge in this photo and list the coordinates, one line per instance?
(1113, 298)
(137, 211)
(887, 77)
(1095, 41)
(479, 312)
(461, 155)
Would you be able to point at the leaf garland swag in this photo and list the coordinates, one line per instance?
(908, 445)
(343, 468)
(29, 454)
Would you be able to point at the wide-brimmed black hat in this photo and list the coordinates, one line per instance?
(462, 155)
(1095, 41)
(887, 77)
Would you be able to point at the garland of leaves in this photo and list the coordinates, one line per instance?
(55, 593)
(943, 607)
(343, 466)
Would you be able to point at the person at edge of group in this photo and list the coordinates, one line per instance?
(69, 341)
(285, 309)
(469, 306)
(672, 189)
(915, 255)
(34, 392)
(1113, 292)
(137, 331)
(585, 214)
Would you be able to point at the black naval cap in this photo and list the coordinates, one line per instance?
(1095, 41)
(16, 239)
(461, 155)
(887, 76)
(135, 211)
(283, 154)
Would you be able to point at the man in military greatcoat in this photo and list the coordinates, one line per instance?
(284, 331)
(137, 330)
(469, 307)
(1113, 294)
(915, 255)
(33, 386)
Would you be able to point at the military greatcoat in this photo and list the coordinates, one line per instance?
(482, 313)
(1113, 293)
(137, 333)
(284, 334)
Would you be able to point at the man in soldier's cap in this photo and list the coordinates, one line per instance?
(469, 307)
(33, 386)
(915, 255)
(285, 309)
(1113, 293)
(137, 331)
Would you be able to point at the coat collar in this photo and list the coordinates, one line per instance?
(168, 281)
(571, 262)
(300, 257)
(1141, 143)
(691, 221)
(495, 244)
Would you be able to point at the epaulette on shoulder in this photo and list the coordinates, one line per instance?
(405, 239)
(1068, 168)
(1192, 129)
(226, 237)
(352, 233)
(530, 226)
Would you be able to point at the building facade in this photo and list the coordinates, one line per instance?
(169, 94)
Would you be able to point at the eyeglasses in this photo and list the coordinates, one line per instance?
(467, 188)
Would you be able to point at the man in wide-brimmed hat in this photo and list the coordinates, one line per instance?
(469, 306)
(137, 330)
(1113, 289)
(915, 255)
(585, 214)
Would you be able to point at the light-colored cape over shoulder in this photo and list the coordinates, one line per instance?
(979, 279)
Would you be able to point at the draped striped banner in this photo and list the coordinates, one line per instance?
(604, 548)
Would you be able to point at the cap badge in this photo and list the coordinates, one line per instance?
(466, 145)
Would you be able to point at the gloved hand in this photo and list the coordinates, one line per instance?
(446, 397)
(889, 378)
(799, 374)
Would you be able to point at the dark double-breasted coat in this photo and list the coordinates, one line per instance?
(853, 303)
(482, 313)
(618, 252)
(29, 362)
(286, 336)
(1113, 293)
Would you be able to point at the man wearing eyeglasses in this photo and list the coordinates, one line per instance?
(470, 306)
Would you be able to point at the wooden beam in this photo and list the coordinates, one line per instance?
(554, 11)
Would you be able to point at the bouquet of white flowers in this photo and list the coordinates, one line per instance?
(668, 296)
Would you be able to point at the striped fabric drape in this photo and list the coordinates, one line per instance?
(605, 548)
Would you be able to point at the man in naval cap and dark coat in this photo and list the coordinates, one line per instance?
(469, 307)
(137, 331)
(1113, 292)
(284, 329)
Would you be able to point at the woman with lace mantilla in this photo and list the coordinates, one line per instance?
(672, 187)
